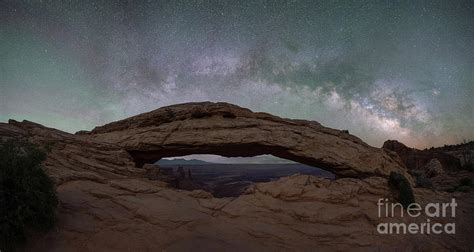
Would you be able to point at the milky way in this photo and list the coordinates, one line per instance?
(383, 70)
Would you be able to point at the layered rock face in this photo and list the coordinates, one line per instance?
(228, 130)
(72, 157)
(415, 159)
(442, 165)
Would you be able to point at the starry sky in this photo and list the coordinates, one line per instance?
(381, 69)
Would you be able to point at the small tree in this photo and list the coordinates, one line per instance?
(400, 185)
(27, 195)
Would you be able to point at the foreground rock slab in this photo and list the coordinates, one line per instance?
(297, 213)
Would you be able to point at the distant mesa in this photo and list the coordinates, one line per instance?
(182, 161)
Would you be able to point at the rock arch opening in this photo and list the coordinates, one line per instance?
(229, 130)
(226, 177)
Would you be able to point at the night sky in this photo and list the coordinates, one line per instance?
(383, 70)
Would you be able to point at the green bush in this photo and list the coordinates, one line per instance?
(27, 195)
(400, 185)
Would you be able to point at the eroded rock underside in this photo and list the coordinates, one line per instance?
(107, 204)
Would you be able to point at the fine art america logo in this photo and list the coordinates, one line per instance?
(431, 210)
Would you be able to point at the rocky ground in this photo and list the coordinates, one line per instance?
(108, 204)
(299, 213)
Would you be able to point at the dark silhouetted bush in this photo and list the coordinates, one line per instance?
(464, 189)
(423, 182)
(400, 185)
(464, 185)
(27, 195)
(468, 166)
(465, 182)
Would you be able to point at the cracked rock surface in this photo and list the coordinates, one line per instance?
(298, 213)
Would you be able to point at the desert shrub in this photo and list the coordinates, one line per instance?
(451, 189)
(463, 189)
(464, 185)
(468, 166)
(27, 195)
(424, 182)
(465, 182)
(400, 185)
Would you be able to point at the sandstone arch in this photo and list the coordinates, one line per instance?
(229, 130)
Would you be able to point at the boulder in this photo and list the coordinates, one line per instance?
(433, 168)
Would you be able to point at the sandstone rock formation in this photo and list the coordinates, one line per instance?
(298, 213)
(228, 130)
(415, 159)
(72, 157)
(108, 204)
(445, 172)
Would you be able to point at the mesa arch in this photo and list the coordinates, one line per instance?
(229, 130)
